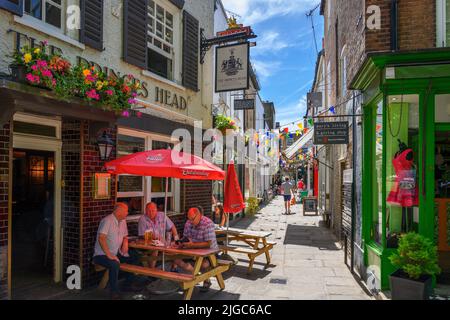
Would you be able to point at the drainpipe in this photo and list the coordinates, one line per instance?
(394, 25)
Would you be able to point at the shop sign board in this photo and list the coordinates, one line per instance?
(232, 67)
(229, 32)
(244, 104)
(326, 133)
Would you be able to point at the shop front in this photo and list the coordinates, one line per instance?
(406, 155)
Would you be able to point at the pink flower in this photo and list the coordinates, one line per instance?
(30, 77)
(34, 67)
(126, 114)
(44, 43)
(134, 94)
(109, 92)
(37, 79)
(54, 82)
(139, 114)
(47, 73)
(42, 64)
(92, 94)
(132, 101)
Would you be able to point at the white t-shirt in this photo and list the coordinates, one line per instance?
(287, 187)
(115, 232)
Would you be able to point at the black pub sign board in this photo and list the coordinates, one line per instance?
(331, 133)
(244, 104)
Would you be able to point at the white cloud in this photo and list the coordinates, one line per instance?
(269, 42)
(256, 11)
(288, 113)
(265, 69)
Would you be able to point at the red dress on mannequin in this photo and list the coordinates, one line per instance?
(404, 193)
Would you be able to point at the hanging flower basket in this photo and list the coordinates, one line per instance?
(224, 123)
(35, 67)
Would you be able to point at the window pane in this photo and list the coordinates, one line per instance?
(159, 13)
(159, 185)
(169, 36)
(442, 107)
(135, 204)
(159, 30)
(151, 7)
(151, 25)
(129, 145)
(53, 15)
(35, 129)
(34, 8)
(402, 149)
(160, 203)
(169, 20)
(160, 145)
(130, 184)
(159, 64)
(378, 177)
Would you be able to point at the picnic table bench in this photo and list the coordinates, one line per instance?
(257, 244)
(187, 281)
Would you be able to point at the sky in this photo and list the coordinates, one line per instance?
(285, 55)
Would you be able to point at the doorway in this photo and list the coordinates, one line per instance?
(32, 220)
(442, 202)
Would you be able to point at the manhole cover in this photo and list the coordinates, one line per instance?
(278, 281)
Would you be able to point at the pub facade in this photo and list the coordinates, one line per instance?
(53, 188)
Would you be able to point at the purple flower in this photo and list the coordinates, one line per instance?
(134, 94)
(44, 43)
(132, 101)
(126, 114)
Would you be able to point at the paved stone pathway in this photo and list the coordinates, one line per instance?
(307, 264)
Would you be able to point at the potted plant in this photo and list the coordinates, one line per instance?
(417, 261)
(224, 123)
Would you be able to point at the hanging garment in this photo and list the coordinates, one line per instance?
(405, 192)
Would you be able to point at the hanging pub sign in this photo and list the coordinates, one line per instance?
(232, 67)
(331, 133)
(244, 104)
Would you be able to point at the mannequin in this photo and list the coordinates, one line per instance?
(404, 192)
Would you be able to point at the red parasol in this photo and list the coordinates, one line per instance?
(234, 202)
(166, 163)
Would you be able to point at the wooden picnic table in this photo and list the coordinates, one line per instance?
(257, 243)
(186, 281)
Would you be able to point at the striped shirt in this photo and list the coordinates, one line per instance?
(203, 232)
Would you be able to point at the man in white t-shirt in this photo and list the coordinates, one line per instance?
(287, 187)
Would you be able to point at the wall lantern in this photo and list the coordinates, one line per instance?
(105, 146)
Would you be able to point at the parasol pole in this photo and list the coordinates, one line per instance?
(165, 219)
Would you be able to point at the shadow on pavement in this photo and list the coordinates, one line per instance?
(310, 236)
(240, 271)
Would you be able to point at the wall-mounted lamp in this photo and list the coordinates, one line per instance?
(105, 146)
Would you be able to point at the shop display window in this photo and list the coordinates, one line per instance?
(402, 169)
(378, 176)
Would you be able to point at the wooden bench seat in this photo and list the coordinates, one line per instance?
(157, 273)
(239, 250)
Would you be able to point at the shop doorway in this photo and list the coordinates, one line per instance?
(442, 201)
(32, 220)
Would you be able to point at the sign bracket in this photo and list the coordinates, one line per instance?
(206, 44)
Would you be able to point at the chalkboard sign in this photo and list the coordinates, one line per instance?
(310, 205)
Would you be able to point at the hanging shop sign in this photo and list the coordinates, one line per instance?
(331, 133)
(232, 67)
(314, 100)
(244, 104)
(246, 30)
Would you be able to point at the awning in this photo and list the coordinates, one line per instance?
(300, 143)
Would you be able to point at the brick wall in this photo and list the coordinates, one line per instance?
(416, 25)
(71, 192)
(4, 181)
(93, 210)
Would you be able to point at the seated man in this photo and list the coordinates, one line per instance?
(111, 247)
(153, 220)
(200, 233)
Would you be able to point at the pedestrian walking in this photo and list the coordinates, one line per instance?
(287, 187)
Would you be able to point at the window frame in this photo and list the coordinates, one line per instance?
(147, 193)
(174, 56)
(441, 23)
(62, 7)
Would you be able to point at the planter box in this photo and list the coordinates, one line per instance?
(403, 288)
(18, 73)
